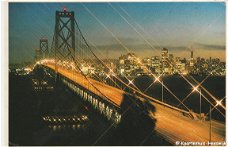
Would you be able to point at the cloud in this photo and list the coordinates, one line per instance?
(210, 46)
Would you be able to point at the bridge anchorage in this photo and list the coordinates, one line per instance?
(69, 54)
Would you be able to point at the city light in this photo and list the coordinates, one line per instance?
(130, 82)
(219, 103)
(107, 76)
(195, 89)
(157, 79)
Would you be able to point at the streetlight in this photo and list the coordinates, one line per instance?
(107, 79)
(218, 103)
(107, 76)
(130, 82)
(162, 90)
(198, 90)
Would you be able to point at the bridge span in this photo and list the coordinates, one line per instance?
(170, 121)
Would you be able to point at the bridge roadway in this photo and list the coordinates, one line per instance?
(170, 124)
(113, 95)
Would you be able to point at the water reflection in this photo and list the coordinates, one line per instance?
(74, 127)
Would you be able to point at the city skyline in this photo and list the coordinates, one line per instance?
(176, 26)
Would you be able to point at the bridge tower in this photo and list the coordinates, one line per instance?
(44, 47)
(38, 54)
(64, 35)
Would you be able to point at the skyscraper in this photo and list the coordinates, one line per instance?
(191, 53)
(164, 54)
(165, 61)
(191, 63)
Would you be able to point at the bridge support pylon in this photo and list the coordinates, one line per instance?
(64, 36)
(44, 47)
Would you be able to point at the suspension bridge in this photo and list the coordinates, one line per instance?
(70, 52)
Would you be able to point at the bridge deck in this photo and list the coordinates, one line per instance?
(171, 124)
(112, 94)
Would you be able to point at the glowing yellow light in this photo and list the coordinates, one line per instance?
(157, 79)
(219, 103)
(195, 88)
(107, 76)
(130, 82)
